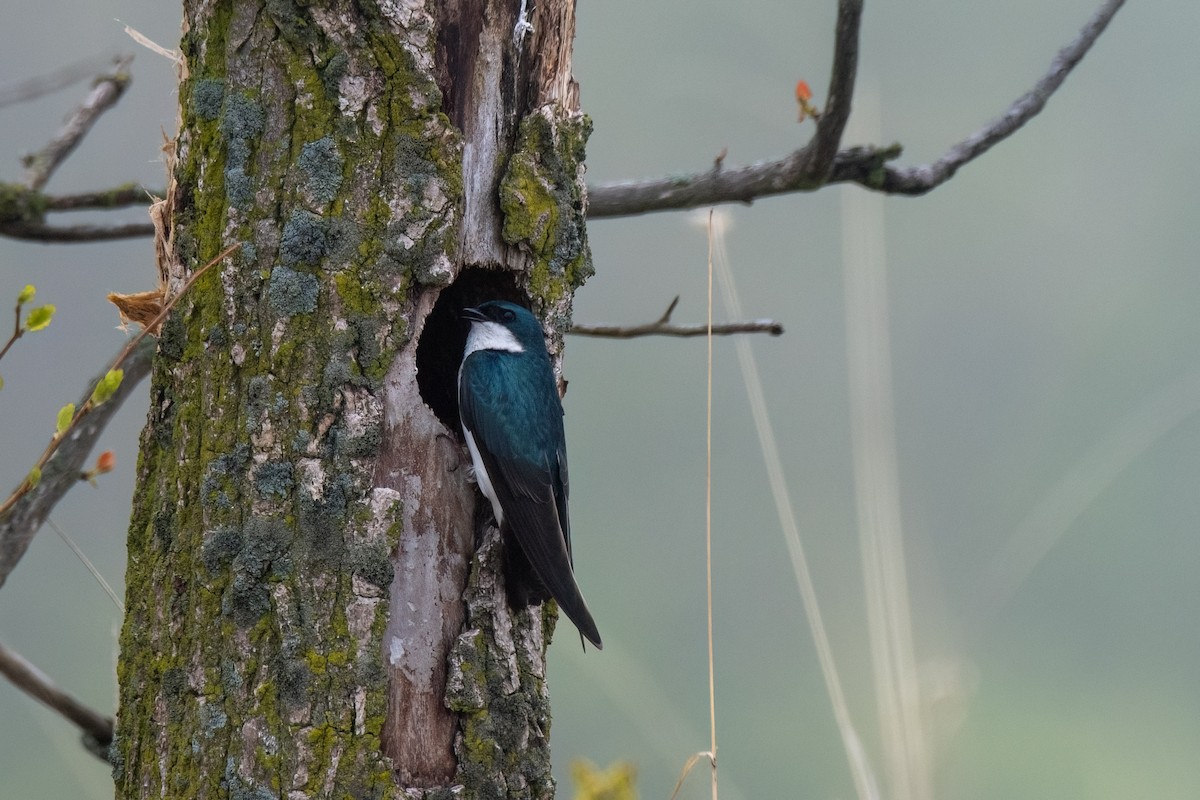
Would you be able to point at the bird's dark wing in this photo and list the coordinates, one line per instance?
(561, 496)
(520, 443)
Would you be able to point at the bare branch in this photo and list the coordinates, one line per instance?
(23, 212)
(729, 185)
(97, 728)
(669, 329)
(664, 327)
(820, 152)
(123, 196)
(863, 165)
(23, 207)
(20, 91)
(801, 171)
(104, 95)
(74, 234)
(921, 179)
(61, 471)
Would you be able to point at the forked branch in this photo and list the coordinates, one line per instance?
(23, 206)
(864, 165)
(820, 162)
(103, 96)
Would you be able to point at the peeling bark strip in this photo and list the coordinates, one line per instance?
(302, 581)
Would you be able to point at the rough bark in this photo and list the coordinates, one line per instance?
(307, 612)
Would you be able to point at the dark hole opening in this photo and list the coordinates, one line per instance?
(439, 352)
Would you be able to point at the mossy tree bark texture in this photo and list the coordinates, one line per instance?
(314, 605)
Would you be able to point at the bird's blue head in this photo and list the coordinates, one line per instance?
(501, 325)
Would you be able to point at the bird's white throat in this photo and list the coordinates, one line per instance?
(491, 336)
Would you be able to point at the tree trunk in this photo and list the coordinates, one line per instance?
(308, 614)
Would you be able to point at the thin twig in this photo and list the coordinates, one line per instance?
(16, 334)
(30, 680)
(664, 327)
(820, 152)
(863, 165)
(660, 329)
(104, 95)
(666, 317)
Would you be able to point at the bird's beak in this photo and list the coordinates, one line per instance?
(474, 315)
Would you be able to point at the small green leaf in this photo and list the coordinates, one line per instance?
(26, 294)
(34, 477)
(107, 386)
(39, 317)
(65, 415)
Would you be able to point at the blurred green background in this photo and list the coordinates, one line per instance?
(1043, 333)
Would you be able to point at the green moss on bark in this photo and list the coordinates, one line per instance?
(19, 204)
(541, 197)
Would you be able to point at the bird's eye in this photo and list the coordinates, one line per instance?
(507, 315)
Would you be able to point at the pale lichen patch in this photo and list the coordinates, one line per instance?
(353, 95)
(311, 473)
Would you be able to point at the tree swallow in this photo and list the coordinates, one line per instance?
(512, 419)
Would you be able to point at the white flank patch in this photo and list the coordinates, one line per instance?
(481, 475)
(491, 336)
